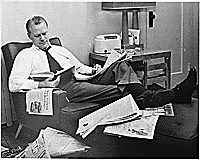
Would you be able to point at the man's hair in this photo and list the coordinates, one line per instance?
(34, 20)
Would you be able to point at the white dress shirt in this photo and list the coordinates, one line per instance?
(33, 60)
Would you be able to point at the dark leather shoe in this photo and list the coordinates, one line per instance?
(144, 99)
(183, 91)
(152, 99)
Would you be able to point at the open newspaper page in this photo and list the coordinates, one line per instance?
(60, 143)
(142, 127)
(39, 101)
(166, 110)
(121, 110)
(37, 149)
(113, 57)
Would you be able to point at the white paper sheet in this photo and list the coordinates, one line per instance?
(113, 57)
(60, 143)
(116, 112)
(37, 149)
(166, 110)
(142, 127)
(39, 101)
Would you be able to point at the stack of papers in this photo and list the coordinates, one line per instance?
(122, 110)
(53, 143)
(60, 143)
(124, 118)
(143, 126)
(36, 149)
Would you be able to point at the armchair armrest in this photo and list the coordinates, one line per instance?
(59, 102)
(36, 122)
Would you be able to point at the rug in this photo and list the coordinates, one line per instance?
(184, 124)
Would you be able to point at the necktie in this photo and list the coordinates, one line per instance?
(53, 64)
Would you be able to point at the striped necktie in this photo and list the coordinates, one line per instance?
(53, 64)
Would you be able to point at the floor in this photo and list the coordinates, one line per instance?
(8, 136)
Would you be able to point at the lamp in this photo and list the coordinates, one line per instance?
(126, 7)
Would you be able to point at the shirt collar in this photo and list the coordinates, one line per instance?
(37, 48)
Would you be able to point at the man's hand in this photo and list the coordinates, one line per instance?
(48, 83)
(96, 69)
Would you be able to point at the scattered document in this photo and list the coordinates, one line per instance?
(39, 101)
(37, 149)
(123, 117)
(53, 143)
(113, 57)
(142, 127)
(60, 143)
(166, 110)
(121, 110)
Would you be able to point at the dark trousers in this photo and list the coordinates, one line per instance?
(104, 88)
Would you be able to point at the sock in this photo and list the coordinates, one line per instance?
(157, 99)
(161, 98)
(135, 89)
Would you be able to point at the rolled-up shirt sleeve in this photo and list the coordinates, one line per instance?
(19, 77)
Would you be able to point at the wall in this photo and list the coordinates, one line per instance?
(76, 23)
(176, 27)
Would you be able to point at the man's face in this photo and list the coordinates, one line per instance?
(39, 35)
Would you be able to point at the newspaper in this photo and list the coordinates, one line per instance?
(142, 127)
(166, 110)
(53, 143)
(119, 111)
(113, 57)
(39, 101)
(60, 143)
(37, 149)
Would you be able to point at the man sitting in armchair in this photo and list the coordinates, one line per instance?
(117, 81)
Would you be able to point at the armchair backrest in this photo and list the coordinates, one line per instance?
(10, 51)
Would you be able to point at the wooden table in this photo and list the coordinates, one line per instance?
(145, 56)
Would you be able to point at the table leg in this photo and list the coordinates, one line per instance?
(125, 39)
(145, 74)
(168, 72)
(91, 61)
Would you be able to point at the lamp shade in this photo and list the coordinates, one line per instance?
(126, 5)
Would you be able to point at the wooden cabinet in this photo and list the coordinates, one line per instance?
(153, 72)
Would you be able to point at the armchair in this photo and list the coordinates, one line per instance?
(35, 122)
